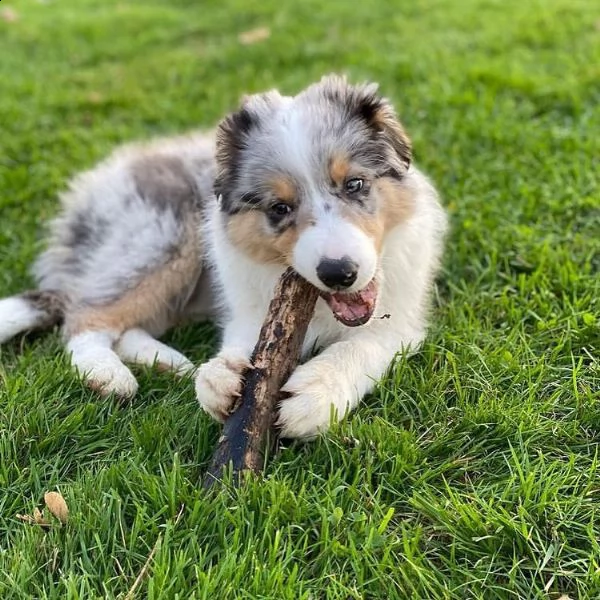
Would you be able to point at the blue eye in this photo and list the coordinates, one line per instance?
(281, 209)
(353, 186)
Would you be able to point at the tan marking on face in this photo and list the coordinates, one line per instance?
(147, 304)
(396, 202)
(339, 167)
(286, 242)
(248, 231)
(395, 206)
(283, 189)
(371, 225)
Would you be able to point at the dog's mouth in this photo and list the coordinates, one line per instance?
(353, 309)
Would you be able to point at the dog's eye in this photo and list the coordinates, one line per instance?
(281, 209)
(354, 185)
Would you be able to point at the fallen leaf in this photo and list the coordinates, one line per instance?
(9, 15)
(36, 519)
(26, 519)
(254, 35)
(39, 517)
(57, 506)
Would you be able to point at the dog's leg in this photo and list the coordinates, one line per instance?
(332, 383)
(220, 379)
(102, 370)
(139, 347)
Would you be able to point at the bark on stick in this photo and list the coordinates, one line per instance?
(247, 433)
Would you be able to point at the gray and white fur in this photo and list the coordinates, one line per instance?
(202, 226)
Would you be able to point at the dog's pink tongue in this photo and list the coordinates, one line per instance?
(354, 309)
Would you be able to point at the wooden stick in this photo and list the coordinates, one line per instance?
(246, 434)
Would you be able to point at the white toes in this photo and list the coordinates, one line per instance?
(218, 384)
(139, 347)
(100, 367)
(304, 416)
(317, 398)
(109, 377)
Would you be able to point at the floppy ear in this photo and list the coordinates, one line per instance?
(364, 102)
(232, 138)
(234, 132)
(385, 121)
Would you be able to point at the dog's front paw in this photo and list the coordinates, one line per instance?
(219, 381)
(317, 396)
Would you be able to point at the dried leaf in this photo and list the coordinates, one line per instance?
(39, 518)
(36, 519)
(254, 35)
(26, 519)
(9, 15)
(57, 506)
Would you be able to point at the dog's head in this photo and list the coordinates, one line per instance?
(315, 182)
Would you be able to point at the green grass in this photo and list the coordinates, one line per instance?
(472, 472)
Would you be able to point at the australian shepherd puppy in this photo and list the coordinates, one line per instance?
(203, 226)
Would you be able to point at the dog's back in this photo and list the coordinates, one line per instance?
(124, 253)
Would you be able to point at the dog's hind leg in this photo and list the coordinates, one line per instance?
(93, 333)
(139, 347)
(100, 367)
(100, 336)
(127, 251)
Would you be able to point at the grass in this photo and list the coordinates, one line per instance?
(472, 471)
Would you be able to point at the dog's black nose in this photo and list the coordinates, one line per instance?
(337, 274)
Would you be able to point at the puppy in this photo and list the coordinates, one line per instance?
(198, 227)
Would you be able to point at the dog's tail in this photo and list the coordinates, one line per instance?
(30, 311)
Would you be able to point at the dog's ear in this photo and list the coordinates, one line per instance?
(234, 132)
(365, 103)
(384, 120)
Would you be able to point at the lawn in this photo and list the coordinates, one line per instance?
(472, 471)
